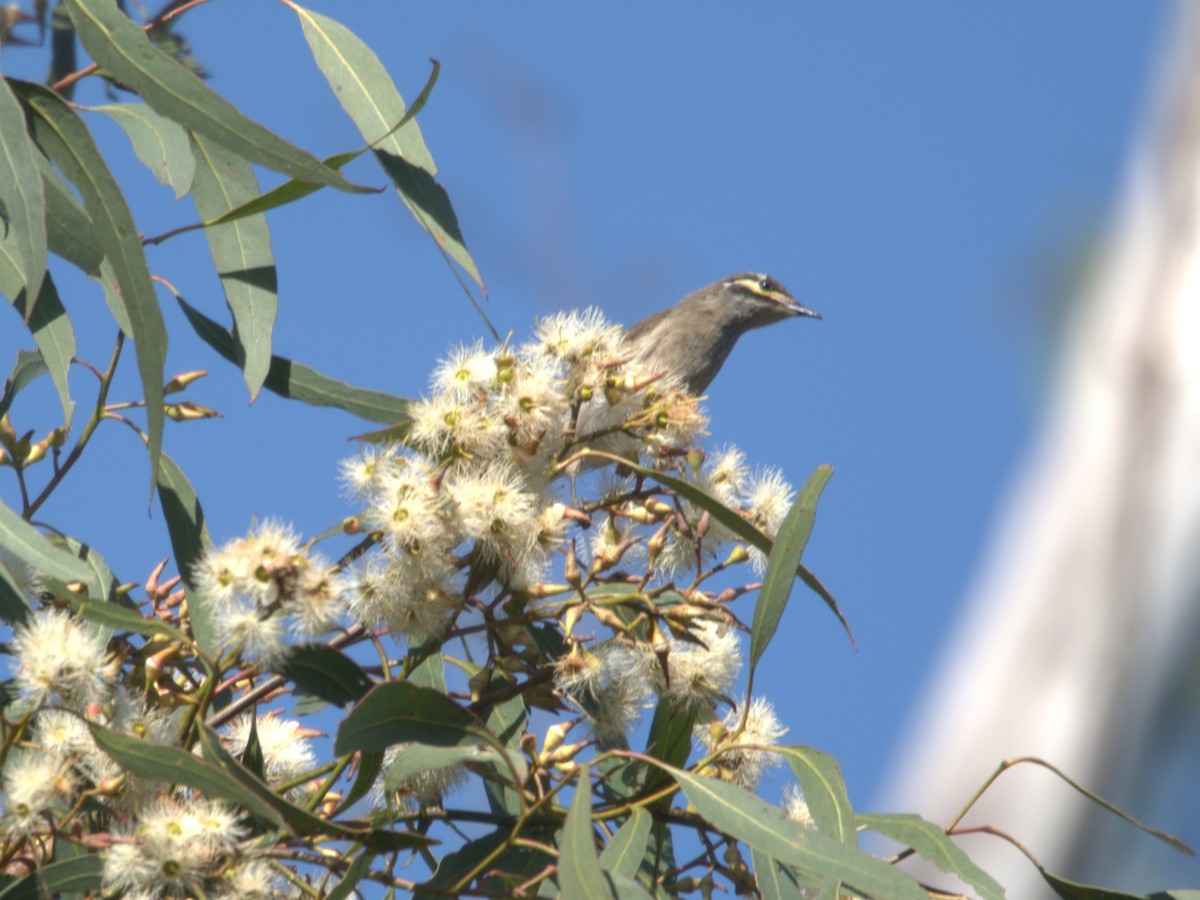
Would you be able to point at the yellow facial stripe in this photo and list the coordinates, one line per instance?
(754, 286)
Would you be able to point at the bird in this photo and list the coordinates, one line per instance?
(692, 339)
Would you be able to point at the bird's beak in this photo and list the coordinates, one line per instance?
(797, 310)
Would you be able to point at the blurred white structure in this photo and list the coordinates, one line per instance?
(1081, 643)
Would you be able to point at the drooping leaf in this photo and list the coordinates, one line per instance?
(161, 145)
(417, 758)
(189, 538)
(731, 520)
(820, 778)
(68, 226)
(120, 618)
(933, 844)
(241, 252)
(62, 134)
(243, 780)
(125, 53)
(175, 766)
(22, 194)
(783, 562)
(775, 880)
(763, 827)
(25, 371)
(362, 85)
(28, 544)
(54, 336)
(327, 673)
(623, 854)
(14, 608)
(400, 712)
(579, 872)
(77, 876)
(297, 381)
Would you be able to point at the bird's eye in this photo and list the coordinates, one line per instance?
(765, 284)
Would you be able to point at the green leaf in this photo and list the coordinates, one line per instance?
(775, 880)
(81, 875)
(1075, 890)
(579, 872)
(120, 618)
(291, 191)
(22, 193)
(369, 766)
(734, 522)
(670, 739)
(400, 712)
(28, 544)
(763, 827)
(354, 874)
(125, 53)
(783, 562)
(65, 138)
(431, 672)
(324, 672)
(623, 854)
(54, 336)
(170, 764)
(68, 226)
(26, 369)
(14, 608)
(241, 252)
(297, 381)
(159, 143)
(299, 820)
(932, 843)
(820, 778)
(189, 539)
(367, 94)
(417, 758)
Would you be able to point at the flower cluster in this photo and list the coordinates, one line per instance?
(265, 586)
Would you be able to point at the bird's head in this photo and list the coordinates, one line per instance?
(752, 300)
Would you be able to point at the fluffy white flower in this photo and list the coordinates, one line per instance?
(59, 657)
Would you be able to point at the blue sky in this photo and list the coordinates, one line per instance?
(926, 175)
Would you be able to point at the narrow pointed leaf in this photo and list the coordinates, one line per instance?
(14, 608)
(417, 758)
(161, 145)
(55, 339)
(62, 134)
(820, 778)
(68, 226)
(325, 672)
(731, 520)
(120, 618)
(367, 94)
(398, 712)
(354, 874)
(176, 766)
(81, 875)
(623, 854)
(26, 369)
(125, 53)
(241, 252)
(22, 193)
(775, 880)
(579, 872)
(189, 538)
(782, 563)
(30, 546)
(933, 844)
(297, 381)
(300, 820)
(763, 827)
